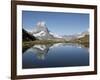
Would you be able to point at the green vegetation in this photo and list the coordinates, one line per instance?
(84, 41)
(29, 43)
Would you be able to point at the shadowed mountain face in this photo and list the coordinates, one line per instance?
(27, 36)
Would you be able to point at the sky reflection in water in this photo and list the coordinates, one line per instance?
(56, 55)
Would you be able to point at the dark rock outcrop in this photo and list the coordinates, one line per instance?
(27, 36)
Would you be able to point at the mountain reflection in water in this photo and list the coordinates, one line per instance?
(39, 50)
(49, 55)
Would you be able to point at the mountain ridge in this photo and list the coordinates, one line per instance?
(41, 32)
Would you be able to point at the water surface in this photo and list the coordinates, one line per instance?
(55, 55)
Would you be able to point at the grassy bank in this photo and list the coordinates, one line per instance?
(27, 44)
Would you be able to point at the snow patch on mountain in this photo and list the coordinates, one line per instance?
(41, 33)
(83, 34)
(55, 35)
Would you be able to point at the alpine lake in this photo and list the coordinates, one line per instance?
(54, 55)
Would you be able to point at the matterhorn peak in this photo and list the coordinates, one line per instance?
(41, 24)
(41, 32)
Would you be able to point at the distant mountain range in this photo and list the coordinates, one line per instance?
(75, 36)
(41, 32)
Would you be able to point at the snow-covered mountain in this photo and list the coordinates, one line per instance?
(83, 34)
(55, 35)
(75, 36)
(41, 32)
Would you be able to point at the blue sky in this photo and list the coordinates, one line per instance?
(59, 23)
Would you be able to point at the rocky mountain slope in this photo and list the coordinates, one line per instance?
(41, 32)
(27, 36)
